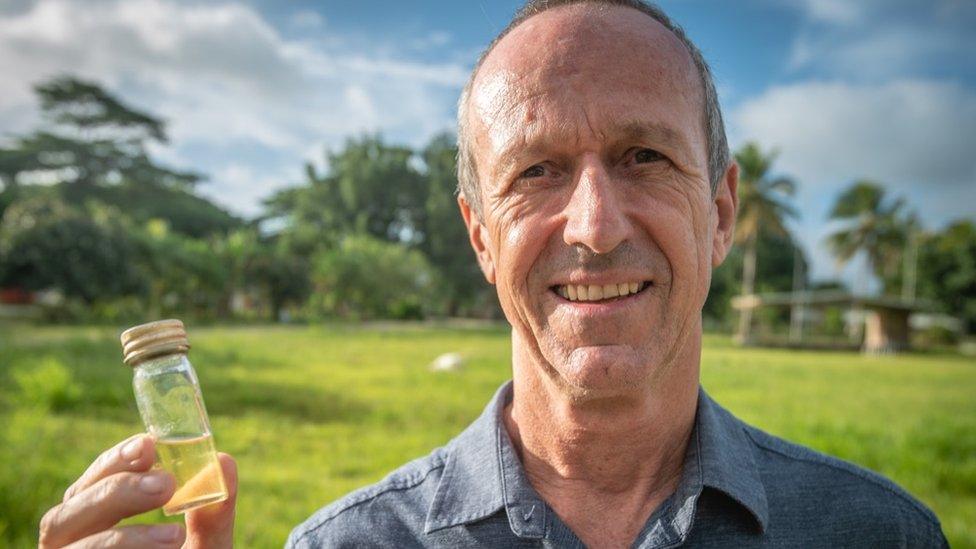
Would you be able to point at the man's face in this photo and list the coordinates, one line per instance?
(587, 131)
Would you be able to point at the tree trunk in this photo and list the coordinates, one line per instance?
(744, 335)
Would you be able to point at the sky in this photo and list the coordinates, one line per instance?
(253, 89)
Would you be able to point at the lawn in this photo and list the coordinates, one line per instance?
(311, 413)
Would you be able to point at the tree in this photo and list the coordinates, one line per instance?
(94, 146)
(369, 187)
(92, 139)
(762, 208)
(366, 277)
(283, 278)
(947, 270)
(873, 224)
(183, 273)
(45, 244)
(445, 239)
(773, 274)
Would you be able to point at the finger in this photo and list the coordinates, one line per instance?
(135, 453)
(102, 505)
(213, 525)
(141, 535)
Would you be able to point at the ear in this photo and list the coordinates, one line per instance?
(479, 238)
(726, 201)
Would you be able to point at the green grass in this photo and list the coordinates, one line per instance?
(311, 413)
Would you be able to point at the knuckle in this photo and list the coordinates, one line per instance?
(48, 526)
(113, 538)
(111, 486)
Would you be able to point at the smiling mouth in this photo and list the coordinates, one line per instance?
(593, 293)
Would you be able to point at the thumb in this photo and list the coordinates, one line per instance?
(212, 526)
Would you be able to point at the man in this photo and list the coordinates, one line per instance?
(598, 194)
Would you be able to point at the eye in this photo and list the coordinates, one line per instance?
(534, 171)
(644, 156)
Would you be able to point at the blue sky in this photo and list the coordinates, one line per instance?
(880, 89)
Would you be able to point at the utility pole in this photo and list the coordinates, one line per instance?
(910, 267)
(796, 308)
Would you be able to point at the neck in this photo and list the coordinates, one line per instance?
(622, 452)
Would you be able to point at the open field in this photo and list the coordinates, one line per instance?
(312, 412)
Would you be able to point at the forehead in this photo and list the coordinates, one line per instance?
(579, 68)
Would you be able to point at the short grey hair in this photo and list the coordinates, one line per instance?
(716, 141)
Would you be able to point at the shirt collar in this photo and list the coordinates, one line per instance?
(482, 474)
(728, 458)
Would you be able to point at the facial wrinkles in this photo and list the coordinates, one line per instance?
(501, 107)
(559, 99)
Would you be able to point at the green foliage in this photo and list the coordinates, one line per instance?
(45, 386)
(873, 224)
(445, 239)
(773, 274)
(184, 212)
(372, 188)
(311, 413)
(68, 101)
(762, 199)
(283, 278)
(183, 276)
(369, 278)
(45, 243)
(92, 139)
(947, 270)
(763, 208)
(369, 188)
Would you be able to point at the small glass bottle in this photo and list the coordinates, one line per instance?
(171, 406)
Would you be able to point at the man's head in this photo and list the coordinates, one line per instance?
(718, 149)
(587, 125)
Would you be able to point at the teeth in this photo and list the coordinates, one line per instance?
(592, 292)
(571, 290)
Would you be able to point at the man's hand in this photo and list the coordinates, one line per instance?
(120, 484)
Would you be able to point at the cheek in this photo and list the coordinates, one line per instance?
(678, 225)
(522, 239)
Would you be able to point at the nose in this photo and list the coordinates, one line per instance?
(594, 215)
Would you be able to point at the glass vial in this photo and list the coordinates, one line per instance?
(171, 405)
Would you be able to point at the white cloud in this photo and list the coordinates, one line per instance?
(913, 136)
(222, 75)
(879, 53)
(832, 11)
(875, 40)
(241, 188)
(907, 132)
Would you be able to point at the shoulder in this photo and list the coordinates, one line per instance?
(391, 510)
(817, 488)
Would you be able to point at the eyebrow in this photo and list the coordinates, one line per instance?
(653, 133)
(641, 130)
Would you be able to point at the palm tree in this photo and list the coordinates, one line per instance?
(762, 207)
(874, 224)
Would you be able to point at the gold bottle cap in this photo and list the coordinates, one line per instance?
(163, 337)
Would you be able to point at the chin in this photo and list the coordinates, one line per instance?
(605, 370)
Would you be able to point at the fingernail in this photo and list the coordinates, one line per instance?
(152, 483)
(132, 450)
(165, 533)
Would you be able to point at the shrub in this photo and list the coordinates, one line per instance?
(365, 277)
(47, 385)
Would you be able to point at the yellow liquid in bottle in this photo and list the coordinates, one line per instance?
(199, 480)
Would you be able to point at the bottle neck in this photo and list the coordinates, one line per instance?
(161, 362)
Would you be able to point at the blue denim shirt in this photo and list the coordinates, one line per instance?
(740, 487)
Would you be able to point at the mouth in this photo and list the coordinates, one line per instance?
(600, 293)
